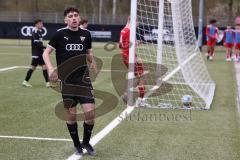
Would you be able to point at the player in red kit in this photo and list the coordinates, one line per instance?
(212, 35)
(228, 41)
(237, 39)
(124, 44)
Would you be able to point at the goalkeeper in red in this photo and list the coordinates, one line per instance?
(124, 44)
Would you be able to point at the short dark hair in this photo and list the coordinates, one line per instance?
(70, 9)
(83, 20)
(212, 21)
(37, 21)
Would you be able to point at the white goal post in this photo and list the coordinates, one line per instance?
(166, 33)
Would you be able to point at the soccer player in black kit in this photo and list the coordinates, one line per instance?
(70, 42)
(37, 51)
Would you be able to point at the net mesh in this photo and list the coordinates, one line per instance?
(168, 47)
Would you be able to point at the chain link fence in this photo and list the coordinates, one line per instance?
(57, 17)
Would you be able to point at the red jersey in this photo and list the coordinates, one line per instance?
(211, 32)
(124, 41)
(228, 36)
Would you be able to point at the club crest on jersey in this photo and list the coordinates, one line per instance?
(82, 38)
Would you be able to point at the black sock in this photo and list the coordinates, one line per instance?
(87, 132)
(29, 74)
(45, 74)
(73, 130)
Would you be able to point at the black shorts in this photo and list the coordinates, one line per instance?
(71, 97)
(72, 101)
(37, 61)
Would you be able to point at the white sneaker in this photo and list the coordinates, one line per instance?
(210, 58)
(228, 59)
(26, 84)
(48, 84)
(141, 103)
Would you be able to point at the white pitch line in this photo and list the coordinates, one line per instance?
(105, 131)
(15, 67)
(108, 70)
(25, 67)
(8, 68)
(102, 70)
(36, 138)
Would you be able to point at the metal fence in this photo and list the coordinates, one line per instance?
(57, 17)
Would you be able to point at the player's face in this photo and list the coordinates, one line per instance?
(39, 25)
(72, 19)
(85, 25)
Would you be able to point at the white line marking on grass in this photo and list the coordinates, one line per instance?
(25, 67)
(8, 68)
(104, 57)
(15, 46)
(105, 131)
(237, 71)
(103, 70)
(15, 67)
(36, 138)
(107, 70)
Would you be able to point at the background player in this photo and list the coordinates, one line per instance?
(83, 23)
(70, 42)
(237, 40)
(37, 51)
(124, 44)
(228, 41)
(212, 35)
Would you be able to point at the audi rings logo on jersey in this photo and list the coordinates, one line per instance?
(74, 47)
(27, 31)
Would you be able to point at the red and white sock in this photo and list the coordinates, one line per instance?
(141, 91)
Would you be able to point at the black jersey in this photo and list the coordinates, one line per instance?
(37, 43)
(69, 44)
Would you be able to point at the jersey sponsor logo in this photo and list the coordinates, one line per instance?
(74, 47)
(28, 30)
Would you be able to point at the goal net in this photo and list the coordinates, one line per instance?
(173, 63)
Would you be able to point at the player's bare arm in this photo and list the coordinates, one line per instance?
(51, 72)
(91, 60)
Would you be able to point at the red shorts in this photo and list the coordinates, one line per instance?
(211, 42)
(138, 67)
(228, 45)
(237, 46)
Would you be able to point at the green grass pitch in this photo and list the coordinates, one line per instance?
(149, 134)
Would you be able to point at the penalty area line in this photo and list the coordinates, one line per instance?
(8, 68)
(35, 138)
(105, 131)
(26, 67)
